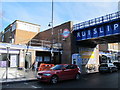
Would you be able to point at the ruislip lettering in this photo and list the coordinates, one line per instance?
(83, 33)
(78, 34)
(108, 28)
(101, 30)
(94, 31)
(89, 33)
(116, 26)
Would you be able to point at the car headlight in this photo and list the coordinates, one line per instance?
(46, 74)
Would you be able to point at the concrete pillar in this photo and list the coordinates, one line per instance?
(22, 58)
(90, 59)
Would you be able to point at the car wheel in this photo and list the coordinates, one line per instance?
(77, 77)
(54, 79)
(116, 69)
(110, 70)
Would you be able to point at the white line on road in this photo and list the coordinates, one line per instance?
(26, 83)
(34, 87)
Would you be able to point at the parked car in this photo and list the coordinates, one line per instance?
(59, 72)
(107, 67)
(117, 64)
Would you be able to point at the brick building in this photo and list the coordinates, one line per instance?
(64, 44)
(20, 32)
(1, 36)
(24, 33)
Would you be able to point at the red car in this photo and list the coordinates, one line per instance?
(59, 72)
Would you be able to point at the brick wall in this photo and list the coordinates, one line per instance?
(23, 37)
(57, 37)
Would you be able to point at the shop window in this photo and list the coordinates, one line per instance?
(3, 59)
(39, 58)
(47, 59)
(13, 61)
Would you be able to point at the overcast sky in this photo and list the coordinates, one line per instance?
(39, 12)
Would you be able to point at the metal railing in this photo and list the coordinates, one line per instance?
(45, 43)
(98, 20)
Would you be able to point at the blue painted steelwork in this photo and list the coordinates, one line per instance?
(99, 27)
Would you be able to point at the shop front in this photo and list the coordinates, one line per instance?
(46, 57)
(12, 56)
(22, 56)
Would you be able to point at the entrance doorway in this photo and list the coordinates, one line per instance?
(28, 60)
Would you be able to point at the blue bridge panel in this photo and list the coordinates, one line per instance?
(97, 31)
(83, 34)
(89, 35)
(107, 25)
(94, 32)
(108, 29)
(101, 31)
(116, 28)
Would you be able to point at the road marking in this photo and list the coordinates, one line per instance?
(26, 83)
(34, 87)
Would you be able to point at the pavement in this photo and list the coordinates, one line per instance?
(15, 75)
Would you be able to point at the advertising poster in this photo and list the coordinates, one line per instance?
(13, 61)
(2, 63)
(87, 55)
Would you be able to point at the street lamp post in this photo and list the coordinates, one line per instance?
(52, 54)
(52, 35)
(8, 48)
(59, 44)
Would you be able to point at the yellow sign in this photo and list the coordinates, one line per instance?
(87, 54)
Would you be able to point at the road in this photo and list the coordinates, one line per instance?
(107, 80)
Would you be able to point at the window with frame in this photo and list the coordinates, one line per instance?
(47, 59)
(39, 58)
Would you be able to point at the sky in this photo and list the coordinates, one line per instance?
(39, 12)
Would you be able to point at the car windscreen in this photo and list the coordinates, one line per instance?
(57, 67)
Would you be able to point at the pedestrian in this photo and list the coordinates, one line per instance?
(36, 66)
